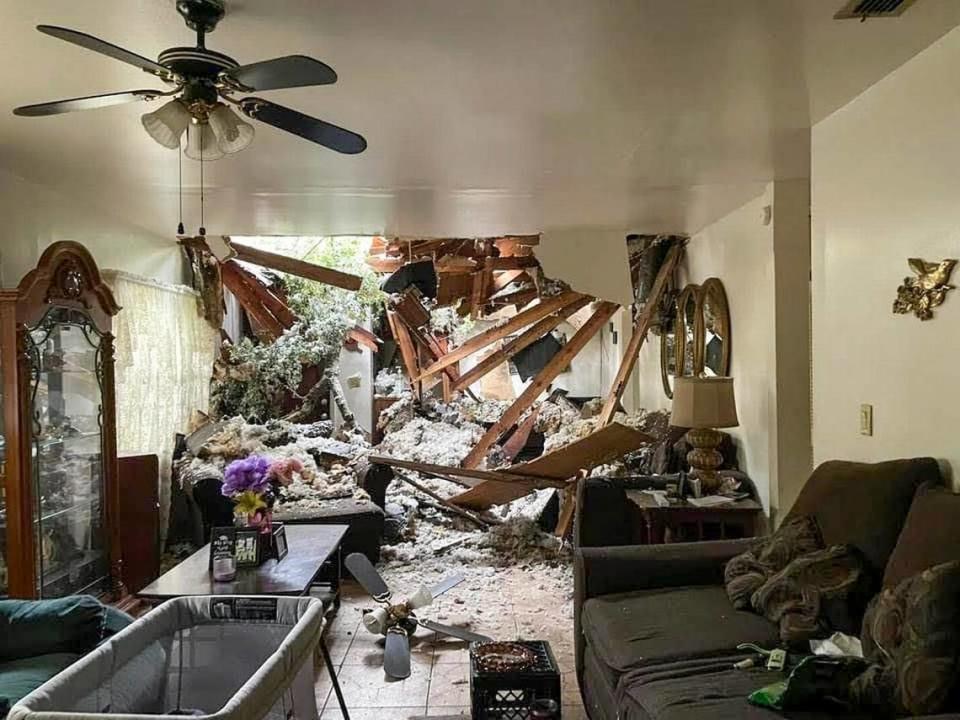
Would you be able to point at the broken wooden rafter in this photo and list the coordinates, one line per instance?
(408, 353)
(514, 262)
(482, 282)
(411, 310)
(251, 300)
(505, 277)
(540, 383)
(520, 297)
(528, 337)
(452, 471)
(444, 503)
(520, 320)
(277, 307)
(364, 337)
(640, 328)
(518, 440)
(300, 268)
(555, 468)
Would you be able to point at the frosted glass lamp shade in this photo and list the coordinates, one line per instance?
(167, 123)
(703, 402)
(201, 137)
(232, 133)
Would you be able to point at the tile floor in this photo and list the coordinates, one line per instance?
(439, 684)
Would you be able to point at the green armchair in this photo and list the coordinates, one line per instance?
(42, 637)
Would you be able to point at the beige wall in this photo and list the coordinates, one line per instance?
(761, 266)
(885, 187)
(34, 217)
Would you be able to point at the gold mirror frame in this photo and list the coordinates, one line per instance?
(712, 293)
(712, 289)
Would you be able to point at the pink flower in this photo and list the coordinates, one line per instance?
(284, 469)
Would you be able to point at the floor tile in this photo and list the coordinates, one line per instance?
(397, 713)
(443, 711)
(367, 686)
(449, 685)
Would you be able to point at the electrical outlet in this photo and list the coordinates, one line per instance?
(866, 419)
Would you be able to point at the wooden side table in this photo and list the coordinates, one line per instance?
(682, 522)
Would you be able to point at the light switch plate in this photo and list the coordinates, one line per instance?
(866, 419)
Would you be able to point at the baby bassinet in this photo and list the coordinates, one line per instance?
(223, 657)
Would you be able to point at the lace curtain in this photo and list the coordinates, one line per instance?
(164, 357)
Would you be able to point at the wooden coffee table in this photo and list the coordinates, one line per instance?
(311, 548)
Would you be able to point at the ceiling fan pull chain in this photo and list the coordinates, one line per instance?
(180, 184)
(203, 230)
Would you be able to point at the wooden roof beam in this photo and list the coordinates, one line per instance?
(546, 376)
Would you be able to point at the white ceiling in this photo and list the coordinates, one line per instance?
(482, 116)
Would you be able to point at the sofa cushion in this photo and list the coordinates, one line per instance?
(864, 504)
(911, 635)
(18, 678)
(747, 572)
(930, 535)
(701, 689)
(40, 627)
(629, 630)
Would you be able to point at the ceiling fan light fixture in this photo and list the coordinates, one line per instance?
(202, 143)
(232, 133)
(167, 123)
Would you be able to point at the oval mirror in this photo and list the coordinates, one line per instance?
(716, 329)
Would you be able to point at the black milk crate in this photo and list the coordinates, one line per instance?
(508, 695)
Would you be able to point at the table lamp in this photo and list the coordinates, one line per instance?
(702, 404)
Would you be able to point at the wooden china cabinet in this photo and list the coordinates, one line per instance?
(58, 448)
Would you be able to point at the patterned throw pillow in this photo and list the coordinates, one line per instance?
(911, 636)
(745, 573)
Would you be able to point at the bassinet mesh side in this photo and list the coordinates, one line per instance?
(231, 658)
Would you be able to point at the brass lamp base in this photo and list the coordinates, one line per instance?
(704, 459)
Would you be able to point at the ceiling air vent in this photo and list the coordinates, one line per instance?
(863, 9)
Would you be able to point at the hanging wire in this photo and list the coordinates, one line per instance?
(180, 182)
(203, 230)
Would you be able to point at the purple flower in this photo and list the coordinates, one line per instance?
(248, 474)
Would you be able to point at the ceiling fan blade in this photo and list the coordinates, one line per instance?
(309, 128)
(104, 48)
(366, 574)
(91, 102)
(396, 654)
(446, 584)
(456, 632)
(283, 72)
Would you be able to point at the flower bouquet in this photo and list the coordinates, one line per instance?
(253, 483)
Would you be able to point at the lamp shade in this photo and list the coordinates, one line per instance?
(201, 138)
(167, 123)
(232, 133)
(703, 402)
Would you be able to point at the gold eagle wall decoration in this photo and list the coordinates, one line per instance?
(921, 294)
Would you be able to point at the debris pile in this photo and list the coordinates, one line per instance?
(328, 464)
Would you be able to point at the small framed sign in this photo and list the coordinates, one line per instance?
(247, 547)
(280, 548)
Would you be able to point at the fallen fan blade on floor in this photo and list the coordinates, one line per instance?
(309, 128)
(104, 48)
(458, 633)
(283, 72)
(396, 654)
(91, 102)
(366, 574)
(446, 584)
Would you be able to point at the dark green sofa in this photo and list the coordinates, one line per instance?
(39, 638)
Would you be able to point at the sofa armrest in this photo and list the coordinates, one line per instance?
(606, 570)
(71, 624)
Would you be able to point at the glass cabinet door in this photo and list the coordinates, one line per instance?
(67, 456)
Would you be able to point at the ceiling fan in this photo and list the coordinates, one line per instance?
(204, 83)
(398, 621)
